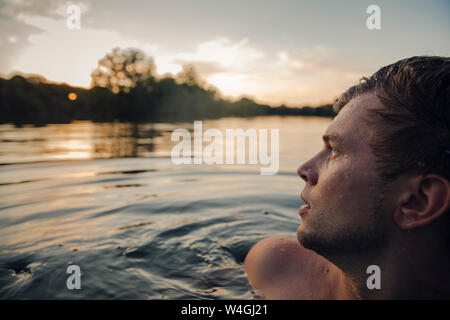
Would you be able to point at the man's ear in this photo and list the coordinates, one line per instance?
(427, 198)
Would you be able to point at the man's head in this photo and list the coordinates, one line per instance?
(385, 167)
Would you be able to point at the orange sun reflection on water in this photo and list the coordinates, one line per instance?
(72, 96)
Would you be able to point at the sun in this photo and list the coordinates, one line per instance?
(72, 96)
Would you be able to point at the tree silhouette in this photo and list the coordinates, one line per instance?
(189, 75)
(122, 69)
(124, 89)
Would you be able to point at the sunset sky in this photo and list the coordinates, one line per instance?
(293, 52)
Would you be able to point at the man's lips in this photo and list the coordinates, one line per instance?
(305, 208)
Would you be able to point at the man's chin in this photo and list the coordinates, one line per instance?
(343, 244)
(302, 236)
(312, 240)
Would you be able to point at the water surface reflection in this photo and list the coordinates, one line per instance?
(85, 140)
(137, 225)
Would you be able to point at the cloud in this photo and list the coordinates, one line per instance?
(220, 61)
(204, 68)
(38, 8)
(15, 30)
(214, 56)
(287, 61)
(13, 39)
(18, 8)
(311, 75)
(224, 52)
(67, 55)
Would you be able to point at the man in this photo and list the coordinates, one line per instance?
(377, 194)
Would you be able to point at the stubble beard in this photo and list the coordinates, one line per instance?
(348, 241)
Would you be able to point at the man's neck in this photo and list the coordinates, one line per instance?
(410, 271)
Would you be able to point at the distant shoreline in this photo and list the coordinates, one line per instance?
(38, 102)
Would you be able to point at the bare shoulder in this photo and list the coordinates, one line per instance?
(281, 268)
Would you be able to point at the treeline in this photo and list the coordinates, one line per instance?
(124, 88)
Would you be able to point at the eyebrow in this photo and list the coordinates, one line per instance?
(332, 137)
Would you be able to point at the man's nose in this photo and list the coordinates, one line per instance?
(307, 173)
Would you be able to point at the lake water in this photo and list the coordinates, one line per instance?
(108, 198)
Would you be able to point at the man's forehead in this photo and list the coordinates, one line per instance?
(361, 104)
(350, 125)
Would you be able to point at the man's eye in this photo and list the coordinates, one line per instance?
(332, 150)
